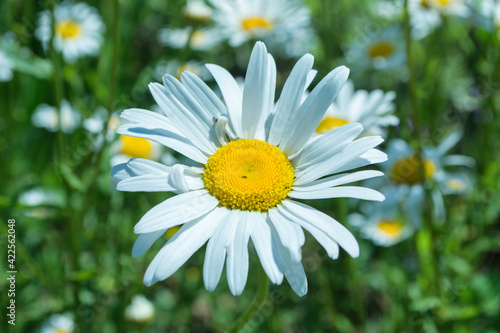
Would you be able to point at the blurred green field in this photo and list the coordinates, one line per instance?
(74, 231)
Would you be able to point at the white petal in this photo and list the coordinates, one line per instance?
(231, 93)
(328, 243)
(288, 103)
(262, 240)
(356, 192)
(215, 254)
(144, 242)
(339, 179)
(458, 160)
(289, 233)
(148, 119)
(186, 241)
(186, 122)
(237, 254)
(334, 162)
(177, 210)
(313, 109)
(164, 137)
(121, 171)
(293, 270)
(372, 156)
(332, 228)
(203, 93)
(256, 92)
(142, 166)
(324, 146)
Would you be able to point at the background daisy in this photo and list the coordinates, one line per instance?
(78, 30)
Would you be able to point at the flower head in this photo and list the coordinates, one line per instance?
(47, 116)
(283, 24)
(254, 158)
(78, 30)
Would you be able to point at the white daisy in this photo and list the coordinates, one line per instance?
(426, 15)
(46, 116)
(140, 310)
(285, 25)
(255, 157)
(382, 223)
(373, 110)
(404, 168)
(381, 50)
(78, 30)
(199, 40)
(58, 324)
(6, 67)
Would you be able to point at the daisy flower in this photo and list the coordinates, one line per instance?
(140, 310)
(382, 50)
(283, 24)
(46, 116)
(373, 110)
(58, 324)
(382, 223)
(6, 67)
(404, 169)
(426, 15)
(78, 30)
(254, 159)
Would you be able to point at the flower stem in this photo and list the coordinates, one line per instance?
(257, 303)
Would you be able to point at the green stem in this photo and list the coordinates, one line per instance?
(256, 305)
(425, 242)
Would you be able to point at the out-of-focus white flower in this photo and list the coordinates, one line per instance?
(382, 50)
(382, 222)
(198, 10)
(140, 310)
(425, 15)
(78, 30)
(372, 109)
(203, 39)
(285, 25)
(58, 324)
(405, 169)
(6, 66)
(46, 116)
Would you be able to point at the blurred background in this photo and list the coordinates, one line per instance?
(424, 75)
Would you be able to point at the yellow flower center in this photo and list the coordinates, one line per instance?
(408, 170)
(390, 227)
(381, 49)
(249, 175)
(328, 123)
(136, 147)
(256, 22)
(68, 29)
